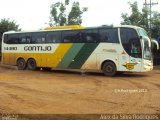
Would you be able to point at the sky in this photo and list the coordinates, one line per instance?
(34, 14)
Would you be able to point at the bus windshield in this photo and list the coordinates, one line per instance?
(142, 32)
(146, 48)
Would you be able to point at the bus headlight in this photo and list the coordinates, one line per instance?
(148, 66)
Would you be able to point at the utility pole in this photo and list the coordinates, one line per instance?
(150, 11)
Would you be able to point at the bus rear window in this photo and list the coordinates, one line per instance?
(11, 39)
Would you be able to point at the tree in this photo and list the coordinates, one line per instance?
(155, 24)
(7, 25)
(135, 16)
(141, 19)
(60, 17)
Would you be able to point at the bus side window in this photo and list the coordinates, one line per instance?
(109, 35)
(67, 39)
(53, 37)
(13, 39)
(71, 36)
(90, 36)
(5, 38)
(28, 39)
(25, 38)
(38, 37)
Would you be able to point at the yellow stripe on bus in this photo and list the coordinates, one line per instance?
(60, 52)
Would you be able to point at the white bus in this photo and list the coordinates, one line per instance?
(108, 49)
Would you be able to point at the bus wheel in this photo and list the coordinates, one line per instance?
(31, 64)
(21, 64)
(109, 69)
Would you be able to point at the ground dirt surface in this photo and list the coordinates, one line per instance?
(70, 92)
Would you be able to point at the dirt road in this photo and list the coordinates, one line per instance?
(64, 92)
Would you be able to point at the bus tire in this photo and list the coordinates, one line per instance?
(31, 64)
(109, 68)
(21, 64)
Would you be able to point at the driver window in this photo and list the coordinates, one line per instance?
(131, 42)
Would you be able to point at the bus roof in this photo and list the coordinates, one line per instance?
(71, 27)
(64, 27)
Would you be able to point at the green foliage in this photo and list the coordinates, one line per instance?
(7, 25)
(74, 17)
(141, 18)
(60, 17)
(134, 18)
(155, 24)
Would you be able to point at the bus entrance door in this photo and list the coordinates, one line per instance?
(124, 61)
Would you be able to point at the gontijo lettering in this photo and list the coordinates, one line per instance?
(37, 48)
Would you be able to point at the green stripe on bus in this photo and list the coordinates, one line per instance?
(70, 55)
(83, 55)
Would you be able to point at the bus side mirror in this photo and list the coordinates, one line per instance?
(154, 42)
